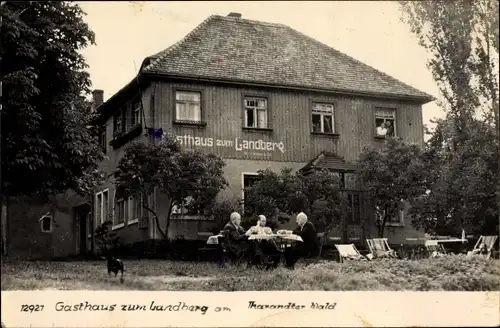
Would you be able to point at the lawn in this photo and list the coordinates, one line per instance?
(450, 274)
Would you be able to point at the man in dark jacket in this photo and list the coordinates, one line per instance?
(309, 247)
(235, 237)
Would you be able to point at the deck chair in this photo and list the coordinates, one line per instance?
(379, 247)
(434, 249)
(348, 252)
(483, 247)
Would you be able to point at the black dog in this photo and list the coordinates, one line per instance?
(115, 265)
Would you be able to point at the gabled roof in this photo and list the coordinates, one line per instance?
(241, 50)
(329, 161)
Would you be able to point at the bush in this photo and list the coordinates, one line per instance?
(106, 238)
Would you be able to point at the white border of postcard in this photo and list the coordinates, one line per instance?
(248, 309)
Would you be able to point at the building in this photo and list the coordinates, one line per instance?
(33, 228)
(260, 95)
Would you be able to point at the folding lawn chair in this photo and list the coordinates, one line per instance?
(483, 247)
(348, 252)
(434, 249)
(379, 247)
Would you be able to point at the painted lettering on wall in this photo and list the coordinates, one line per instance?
(238, 144)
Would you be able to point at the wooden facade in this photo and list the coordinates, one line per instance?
(289, 137)
(287, 140)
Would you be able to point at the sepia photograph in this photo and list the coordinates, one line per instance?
(248, 146)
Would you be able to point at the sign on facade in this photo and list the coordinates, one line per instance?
(237, 144)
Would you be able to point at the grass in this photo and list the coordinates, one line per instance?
(452, 273)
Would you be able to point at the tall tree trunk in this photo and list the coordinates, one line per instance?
(497, 109)
(167, 224)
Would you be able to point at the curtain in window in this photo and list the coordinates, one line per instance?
(188, 112)
(384, 113)
(262, 119)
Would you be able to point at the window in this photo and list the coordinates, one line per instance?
(136, 113)
(322, 118)
(188, 106)
(347, 180)
(181, 209)
(134, 211)
(255, 112)
(354, 215)
(119, 217)
(385, 120)
(350, 181)
(118, 123)
(102, 139)
(248, 180)
(398, 219)
(46, 222)
(101, 209)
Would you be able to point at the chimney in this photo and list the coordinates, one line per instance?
(98, 97)
(235, 15)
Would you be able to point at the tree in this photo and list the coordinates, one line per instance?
(48, 144)
(462, 182)
(270, 194)
(392, 175)
(317, 194)
(220, 210)
(189, 178)
(462, 38)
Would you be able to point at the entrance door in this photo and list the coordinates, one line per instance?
(82, 215)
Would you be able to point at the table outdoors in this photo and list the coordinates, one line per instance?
(288, 237)
(282, 240)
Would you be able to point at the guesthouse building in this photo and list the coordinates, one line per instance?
(260, 95)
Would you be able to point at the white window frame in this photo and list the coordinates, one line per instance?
(89, 225)
(256, 110)
(136, 112)
(130, 217)
(119, 202)
(184, 102)
(101, 210)
(322, 114)
(385, 118)
(49, 216)
(243, 174)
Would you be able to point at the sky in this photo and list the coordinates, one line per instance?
(372, 32)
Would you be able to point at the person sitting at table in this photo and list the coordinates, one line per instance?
(260, 228)
(308, 248)
(236, 239)
(265, 250)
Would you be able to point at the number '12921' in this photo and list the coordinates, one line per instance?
(31, 308)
